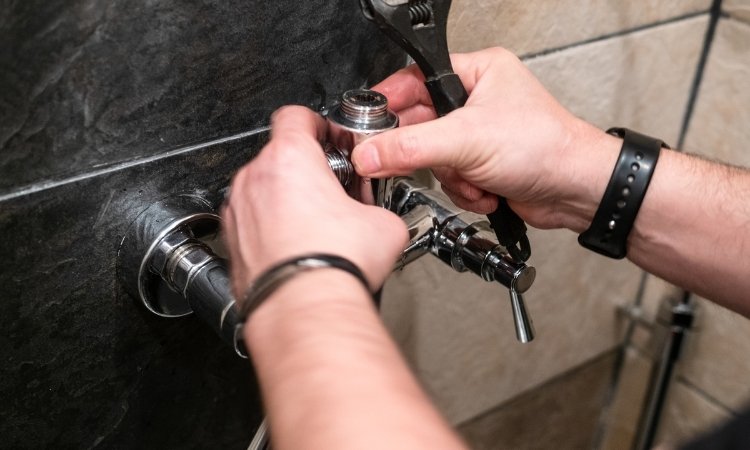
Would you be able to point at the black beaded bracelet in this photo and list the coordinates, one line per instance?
(614, 219)
(273, 278)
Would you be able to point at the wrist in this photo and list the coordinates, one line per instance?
(305, 298)
(587, 164)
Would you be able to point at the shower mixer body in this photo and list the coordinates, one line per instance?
(463, 240)
(165, 259)
(359, 115)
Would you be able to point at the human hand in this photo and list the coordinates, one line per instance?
(512, 139)
(287, 203)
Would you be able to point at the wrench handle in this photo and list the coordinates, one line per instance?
(448, 94)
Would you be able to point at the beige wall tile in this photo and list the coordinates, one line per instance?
(531, 26)
(719, 127)
(562, 414)
(457, 331)
(739, 9)
(641, 80)
(688, 414)
(716, 355)
(654, 292)
(625, 411)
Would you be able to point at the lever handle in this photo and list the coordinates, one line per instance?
(521, 319)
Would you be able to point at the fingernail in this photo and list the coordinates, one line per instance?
(366, 159)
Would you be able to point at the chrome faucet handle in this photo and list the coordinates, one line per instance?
(496, 265)
(464, 241)
(521, 318)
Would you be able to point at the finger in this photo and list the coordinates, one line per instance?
(441, 142)
(296, 134)
(450, 178)
(471, 66)
(291, 120)
(416, 114)
(404, 89)
(485, 205)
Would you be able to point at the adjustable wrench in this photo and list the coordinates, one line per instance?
(419, 27)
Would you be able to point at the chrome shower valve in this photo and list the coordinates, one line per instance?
(461, 239)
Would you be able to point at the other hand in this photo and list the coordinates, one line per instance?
(287, 203)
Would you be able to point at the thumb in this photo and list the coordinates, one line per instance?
(440, 142)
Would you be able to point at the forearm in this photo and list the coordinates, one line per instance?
(331, 376)
(693, 228)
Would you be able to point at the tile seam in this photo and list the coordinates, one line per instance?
(700, 69)
(697, 390)
(735, 19)
(616, 34)
(51, 184)
(556, 378)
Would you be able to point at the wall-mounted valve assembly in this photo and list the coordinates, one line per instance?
(461, 239)
(170, 258)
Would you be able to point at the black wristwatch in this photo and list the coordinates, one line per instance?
(614, 219)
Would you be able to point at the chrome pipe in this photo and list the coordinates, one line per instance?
(166, 261)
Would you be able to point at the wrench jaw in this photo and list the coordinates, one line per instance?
(426, 42)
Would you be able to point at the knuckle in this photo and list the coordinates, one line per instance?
(409, 148)
(500, 53)
(240, 178)
(286, 112)
(286, 149)
(291, 141)
(396, 228)
(469, 191)
(257, 171)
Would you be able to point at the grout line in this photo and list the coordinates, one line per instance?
(705, 395)
(620, 33)
(45, 185)
(716, 14)
(735, 19)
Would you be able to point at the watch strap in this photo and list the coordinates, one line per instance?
(622, 199)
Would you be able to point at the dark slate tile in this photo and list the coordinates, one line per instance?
(85, 84)
(83, 363)
(100, 103)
